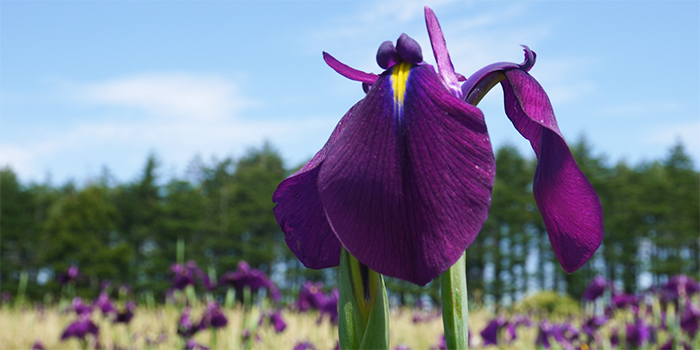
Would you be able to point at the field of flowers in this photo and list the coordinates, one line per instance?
(250, 315)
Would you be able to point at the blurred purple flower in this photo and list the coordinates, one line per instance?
(80, 307)
(621, 301)
(184, 274)
(638, 334)
(38, 345)
(441, 345)
(405, 179)
(614, 337)
(191, 344)
(185, 327)
(127, 314)
(311, 296)
(80, 328)
(275, 318)
(213, 317)
(71, 275)
(254, 279)
(5, 297)
(563, 333)
(671, 345)
(595, 289)
(593, 324)
(305, 345)
(330, 307)
(490, 333)
(689, 320)
(682, 285)
(104, 304)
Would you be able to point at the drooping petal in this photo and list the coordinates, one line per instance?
(300, 213)
(407, 185)
(569, 206)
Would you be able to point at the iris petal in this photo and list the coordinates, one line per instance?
(570, 207)
(407, 194)
(300, 213)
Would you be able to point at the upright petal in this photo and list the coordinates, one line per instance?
(570, 207)
(407, 185)
(300, 213)
(442, 56)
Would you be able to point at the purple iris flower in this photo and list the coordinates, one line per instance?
(562, 333)
(404, 182)
(191, 344)
(682, 285)
(512, 326)
(275, 318)
(593, 324)
(490, 333)
(71, 275)
(311, 296)
(638, 333)
(127, 314)
(330, 307)
(304, 345)
(213, 317)
(621, 301)
(185, 327)
(595, 289)
(441, 345)
(184, 274)
(254, 279)
(671, 345)
(104, 304)
(690, 319)
(80, 328)
(80, 307)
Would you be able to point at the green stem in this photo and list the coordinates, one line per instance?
(455, 305)
(180, 251)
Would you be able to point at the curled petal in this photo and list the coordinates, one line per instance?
(300, 214)
(485, 78)
(406, 188)
(570, 207)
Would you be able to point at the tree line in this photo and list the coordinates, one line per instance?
(128, 232)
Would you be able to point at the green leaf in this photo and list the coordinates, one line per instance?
(363, 307)
(455, 305)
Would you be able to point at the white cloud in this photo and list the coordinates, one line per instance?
(169, 95)
(176, 115)
(686, 132)
(641, 108)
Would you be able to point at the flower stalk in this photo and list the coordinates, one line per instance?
(455, 305)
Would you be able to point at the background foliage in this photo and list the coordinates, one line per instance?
(127, 232)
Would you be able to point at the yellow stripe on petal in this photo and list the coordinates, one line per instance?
(399, 77)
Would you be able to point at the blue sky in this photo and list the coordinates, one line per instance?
(85, 85)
